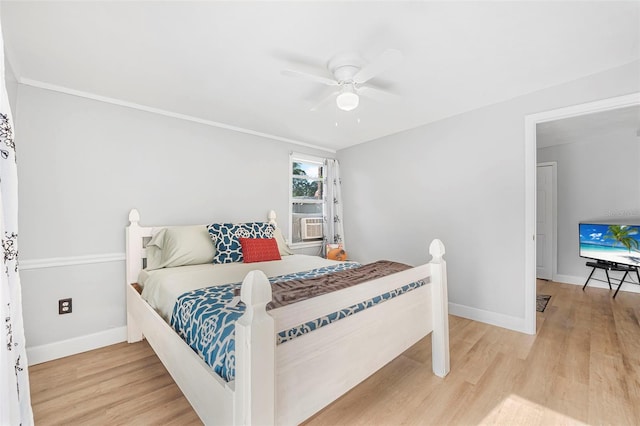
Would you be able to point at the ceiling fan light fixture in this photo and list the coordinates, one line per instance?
(347, 100)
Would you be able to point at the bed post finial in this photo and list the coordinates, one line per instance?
(272, 218)
(436, 249)
(255, 291)
(134, 216)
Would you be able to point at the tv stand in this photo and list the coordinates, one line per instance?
(612, 266)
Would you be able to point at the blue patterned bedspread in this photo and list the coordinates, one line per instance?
(205, 318)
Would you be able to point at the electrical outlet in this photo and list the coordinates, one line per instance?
(64, 306)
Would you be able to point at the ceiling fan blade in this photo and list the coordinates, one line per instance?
(376, 93)
(311, 77)
(388, 58)
(326, 100)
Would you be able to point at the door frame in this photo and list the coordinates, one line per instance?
(530, 164)
(554, 215)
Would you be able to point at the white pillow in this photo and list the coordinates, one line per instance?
(179, 246)
(154, 250)
(283, 248)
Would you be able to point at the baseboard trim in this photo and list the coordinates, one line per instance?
(54, 262)
(487, 317)
(63, 348)
(571, 279)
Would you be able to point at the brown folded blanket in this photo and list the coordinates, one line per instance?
(287, 292)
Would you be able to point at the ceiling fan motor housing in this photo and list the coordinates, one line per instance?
(345, 66)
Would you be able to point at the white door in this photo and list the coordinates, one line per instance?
(544, 225)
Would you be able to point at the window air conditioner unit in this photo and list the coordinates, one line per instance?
(311, 228)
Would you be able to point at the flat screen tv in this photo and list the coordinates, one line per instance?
(612, 240)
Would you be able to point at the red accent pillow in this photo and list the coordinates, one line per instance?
(259, 249)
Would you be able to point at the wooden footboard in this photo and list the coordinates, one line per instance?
(288, 383)
(310, 371)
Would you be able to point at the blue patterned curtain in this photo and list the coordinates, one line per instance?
(15, 400)
(333, 230)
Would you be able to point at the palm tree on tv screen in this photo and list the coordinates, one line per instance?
(623, 234)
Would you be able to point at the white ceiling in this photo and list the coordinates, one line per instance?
(621, 123)
(221, 61)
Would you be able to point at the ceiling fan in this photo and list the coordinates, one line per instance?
(350, 73)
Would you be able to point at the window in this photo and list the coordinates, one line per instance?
(307, 181)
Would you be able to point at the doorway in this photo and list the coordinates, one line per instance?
(530, 187)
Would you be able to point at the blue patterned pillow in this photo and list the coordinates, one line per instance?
(226, 238)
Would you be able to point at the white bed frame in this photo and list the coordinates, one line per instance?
(286, 384)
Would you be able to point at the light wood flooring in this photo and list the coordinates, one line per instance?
(582, 367)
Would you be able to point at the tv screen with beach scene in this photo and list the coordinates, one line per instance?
(611, 242)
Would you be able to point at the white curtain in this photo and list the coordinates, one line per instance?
(333, 230)
(15, 400)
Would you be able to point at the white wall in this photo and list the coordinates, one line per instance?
(84, 164)
(597, 177)
(462, 180)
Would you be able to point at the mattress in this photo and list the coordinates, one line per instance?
(162, 287)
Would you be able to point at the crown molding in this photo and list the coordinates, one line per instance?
(185, 117)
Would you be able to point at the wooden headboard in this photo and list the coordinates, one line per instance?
(137, 238)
